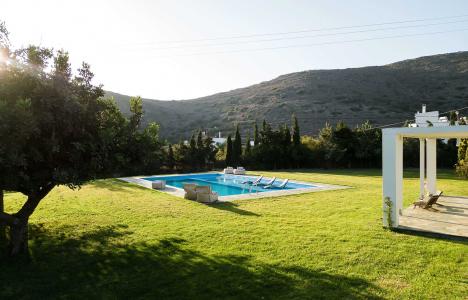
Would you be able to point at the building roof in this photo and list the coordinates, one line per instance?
(446, 132)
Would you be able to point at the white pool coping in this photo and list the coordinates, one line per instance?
(178, 192)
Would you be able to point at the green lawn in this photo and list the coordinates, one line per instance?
(116, 240)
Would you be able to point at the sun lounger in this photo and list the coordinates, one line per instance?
(205, 195)
(190, 191)
(281, 186)
(239, 171)
(256, 181)
(428, 201)
(229, 170)
(268, 183)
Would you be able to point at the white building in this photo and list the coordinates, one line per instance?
(428, 118)
(218, 141)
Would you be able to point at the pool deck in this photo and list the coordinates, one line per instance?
(254, 195)
(449, 218)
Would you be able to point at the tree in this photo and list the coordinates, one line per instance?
(256, 137)
(193, 153)
(237, 148)
(170, 158)
(4, 53)
(285, 137)
(56, 130)
(296, 135)
(453, 117)
(462, 149)
(201, 155)
(229, 150)
(248, 147)
(210, 151)
(136, 108)
(181, 156)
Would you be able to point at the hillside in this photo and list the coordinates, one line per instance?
(381, 94)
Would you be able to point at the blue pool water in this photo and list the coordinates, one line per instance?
(225, 184)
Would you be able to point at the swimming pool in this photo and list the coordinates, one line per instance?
(226, 184)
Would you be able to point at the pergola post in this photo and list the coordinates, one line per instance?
(422, 163)
(392, 173)
(431, 145)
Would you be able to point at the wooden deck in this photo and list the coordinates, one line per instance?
(450, 218)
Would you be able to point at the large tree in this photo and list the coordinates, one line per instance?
(296, 135)
(55, 129)
(237, 148)
(229, 151)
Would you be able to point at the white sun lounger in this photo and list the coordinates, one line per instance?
(256, 181)
(281, 186)
(268, 183)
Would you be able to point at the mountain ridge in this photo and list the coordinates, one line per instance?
(381, 94)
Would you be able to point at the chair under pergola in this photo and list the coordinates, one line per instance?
(392, 173)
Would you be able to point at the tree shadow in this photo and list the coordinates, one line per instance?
(432, 235)
(377, 172)
(116, 185)
(99, 265)
(232, 207)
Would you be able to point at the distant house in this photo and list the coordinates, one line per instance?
(429, 118)
(218, 141)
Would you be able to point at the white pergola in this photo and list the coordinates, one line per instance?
(392, 162)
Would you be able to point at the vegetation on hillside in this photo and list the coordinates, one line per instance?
(382, 95)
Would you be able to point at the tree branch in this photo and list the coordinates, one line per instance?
(33, 201)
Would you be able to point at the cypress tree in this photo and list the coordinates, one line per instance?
(237, 148)
(229, 151)
(170, 158)
(286, 136)
(248, 147)
(296, 132)
(200, 150)
(193, 152)
(256, 138)
(200, 140)
(453, 118)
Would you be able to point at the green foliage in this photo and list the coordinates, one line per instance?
(237, 148)
(462, 165)
(229, 151)
(256, 135)
(453, 118)
(57, 129)
(170, 158)
(388, 211)
(296, 134)
(382, 100)
(462, 148)
(199, 154)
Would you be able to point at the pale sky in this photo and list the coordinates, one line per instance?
(130, 44)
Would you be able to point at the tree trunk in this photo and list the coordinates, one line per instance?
(18, 223)
(18, 244)
(2, 225)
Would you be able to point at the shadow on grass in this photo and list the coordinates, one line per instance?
(232, 207)
(433, 235)
(116, 185)
(408, 172)
(98, 265)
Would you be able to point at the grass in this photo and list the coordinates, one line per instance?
(115, 240)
